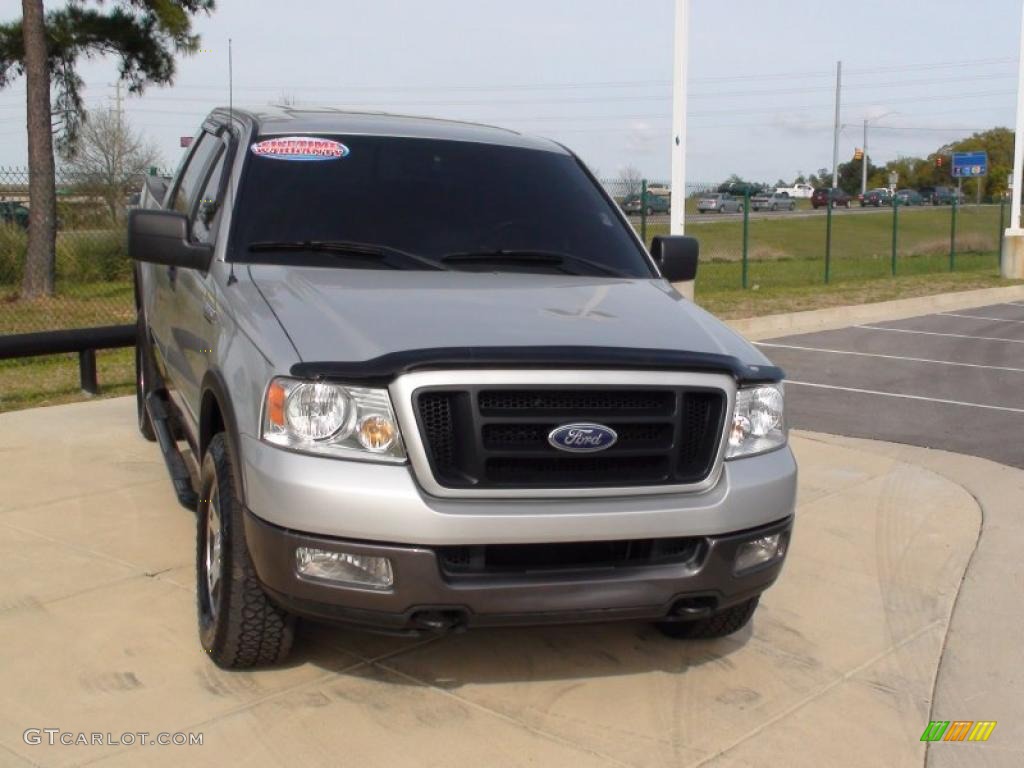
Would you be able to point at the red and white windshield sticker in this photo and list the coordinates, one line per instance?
(300, 148)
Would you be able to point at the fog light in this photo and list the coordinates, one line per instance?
(760, 551)
(377, 433)
(344, 567)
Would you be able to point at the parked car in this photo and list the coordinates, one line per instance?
(877, 197)
(719, 202)
(391, 423)
(740, 188)
(772, 202)
(652, 204)
(820, 198)
(800, 191)
(909, 197)
(926, 194)
(943, 196)
(13, 213)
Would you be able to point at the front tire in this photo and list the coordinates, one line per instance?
(719, 624)
(238, 624)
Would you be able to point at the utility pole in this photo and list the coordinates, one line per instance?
(118, 104)
(864, 163)
(679, 76)
(835, 129)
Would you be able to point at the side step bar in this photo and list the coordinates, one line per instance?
(176, 466)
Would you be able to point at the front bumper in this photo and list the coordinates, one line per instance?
(424, 597)
(365, 501)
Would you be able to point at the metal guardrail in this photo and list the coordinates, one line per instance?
(84, 341)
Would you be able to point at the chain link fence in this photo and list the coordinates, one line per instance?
(752, 242)
(92, 287)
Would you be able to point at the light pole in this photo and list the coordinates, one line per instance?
(864, 162)
(1012, 261)
(679, 73)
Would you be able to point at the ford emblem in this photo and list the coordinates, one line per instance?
(582, 438)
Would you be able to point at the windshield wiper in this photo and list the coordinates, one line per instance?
(379, 253)
(527, 258)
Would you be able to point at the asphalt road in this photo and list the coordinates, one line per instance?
(853, 210)
(953, 381)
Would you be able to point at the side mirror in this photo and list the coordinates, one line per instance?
(676, 257)
(162, 237)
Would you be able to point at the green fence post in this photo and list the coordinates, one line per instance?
(952, 236)
(746, 234)
(643, 211)
(895, 232)
(828, 237)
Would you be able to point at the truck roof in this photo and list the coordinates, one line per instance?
(285, 121)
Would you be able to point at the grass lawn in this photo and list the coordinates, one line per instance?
(735, 302)
(854, 236)
(33, 381)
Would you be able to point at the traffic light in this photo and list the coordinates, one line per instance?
(938, 161)
(858, 154)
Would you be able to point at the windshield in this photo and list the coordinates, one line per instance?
(429, 199)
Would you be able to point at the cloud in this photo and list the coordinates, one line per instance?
(643, 138)
(798, 123)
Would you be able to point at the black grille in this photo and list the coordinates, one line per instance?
(547, 558)
(477, 437)
(575, 400)
(438, 430)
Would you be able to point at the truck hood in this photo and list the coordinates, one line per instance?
(352, 315)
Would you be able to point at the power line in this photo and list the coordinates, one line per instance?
(607, 83)
(623, 99)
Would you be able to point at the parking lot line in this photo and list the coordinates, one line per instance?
(936, 333)
(888, 357)
(982, 317)
(904, 396)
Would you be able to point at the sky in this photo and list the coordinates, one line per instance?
(596, 75)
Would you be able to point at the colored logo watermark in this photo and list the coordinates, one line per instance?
(958, 730)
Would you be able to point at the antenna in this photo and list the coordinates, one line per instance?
(231, 129)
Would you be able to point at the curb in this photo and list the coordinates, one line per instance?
(831, 318)
(979, 673)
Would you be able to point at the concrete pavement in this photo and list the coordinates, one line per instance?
(97, 634)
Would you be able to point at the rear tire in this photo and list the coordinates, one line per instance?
(143, 378)
(719, 624)
(238, 624)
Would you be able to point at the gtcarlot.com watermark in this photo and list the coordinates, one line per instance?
(56, 736)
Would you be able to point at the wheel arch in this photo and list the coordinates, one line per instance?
(216, 414)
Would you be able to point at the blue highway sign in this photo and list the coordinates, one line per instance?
(969, 164)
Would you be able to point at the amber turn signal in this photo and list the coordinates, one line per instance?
(275, 404)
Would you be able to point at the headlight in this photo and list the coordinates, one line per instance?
(331, 419)
(758, 424)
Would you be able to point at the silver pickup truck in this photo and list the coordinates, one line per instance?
(417, 375)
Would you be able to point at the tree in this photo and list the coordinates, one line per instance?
(850, 175)
(110, 159)
(998, 143)
(144, 34)
(40, 267)
(630, 181)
